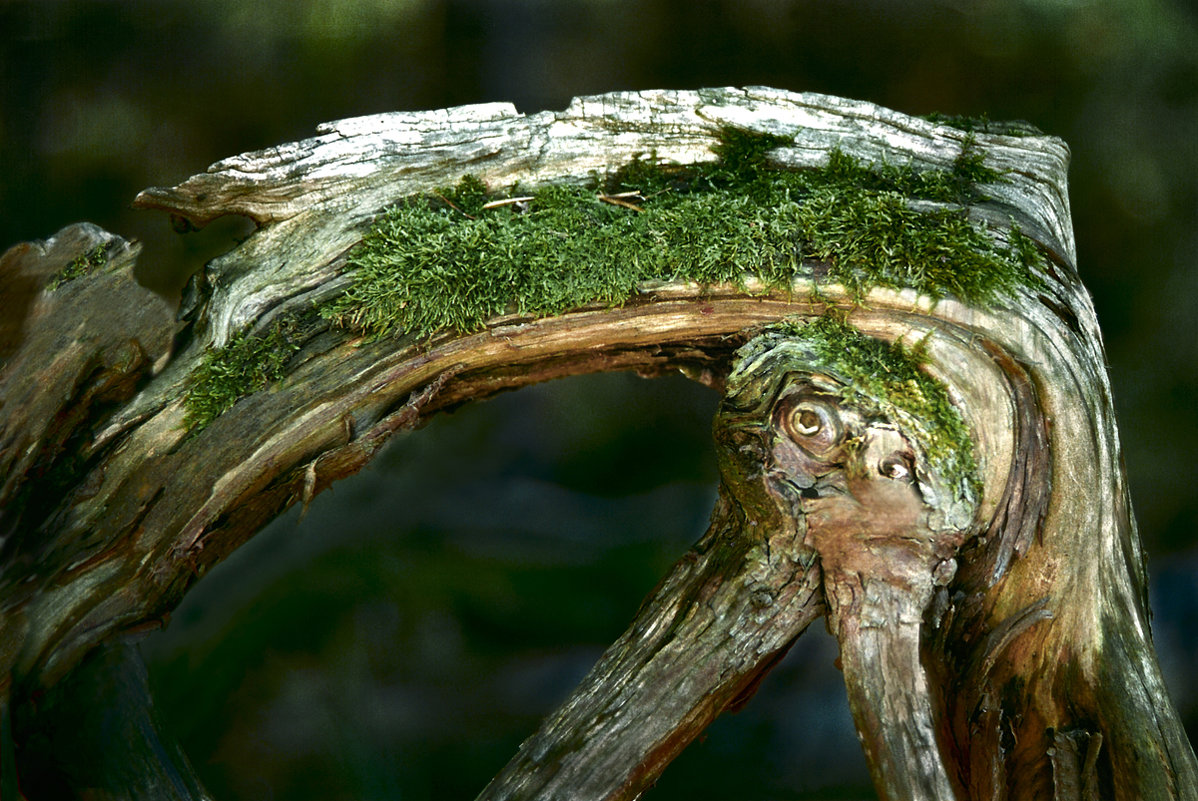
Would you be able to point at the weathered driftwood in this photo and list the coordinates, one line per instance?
(995, 643)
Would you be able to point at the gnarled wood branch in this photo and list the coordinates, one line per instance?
(995, 639)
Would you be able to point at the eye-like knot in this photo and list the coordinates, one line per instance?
(897, 466)
(813, 424)
(807, 422)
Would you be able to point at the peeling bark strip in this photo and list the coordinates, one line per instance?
(939, 473)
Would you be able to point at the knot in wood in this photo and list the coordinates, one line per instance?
(801, 445)
(803, 413)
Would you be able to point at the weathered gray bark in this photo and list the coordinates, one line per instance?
(1028, 672)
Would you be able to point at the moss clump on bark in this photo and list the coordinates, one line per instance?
(447, 262)
(247, 364)
(81, 265)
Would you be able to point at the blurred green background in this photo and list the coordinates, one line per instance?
(403, 638)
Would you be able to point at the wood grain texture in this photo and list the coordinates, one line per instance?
(1027, 673)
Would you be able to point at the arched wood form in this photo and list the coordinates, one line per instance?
(996, 645)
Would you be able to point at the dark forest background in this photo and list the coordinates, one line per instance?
(403, 638)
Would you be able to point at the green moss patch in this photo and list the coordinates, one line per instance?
(887, 380)
(447, 261)
(247, 364)
(81, 265)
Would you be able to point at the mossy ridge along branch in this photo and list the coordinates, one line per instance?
(455, 258)
(447, 262)
(983, 124)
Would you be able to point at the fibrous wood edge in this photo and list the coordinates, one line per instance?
(1047, 630)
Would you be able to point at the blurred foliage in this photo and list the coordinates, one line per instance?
(330, 659)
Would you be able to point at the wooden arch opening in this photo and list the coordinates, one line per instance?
(916, 436)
